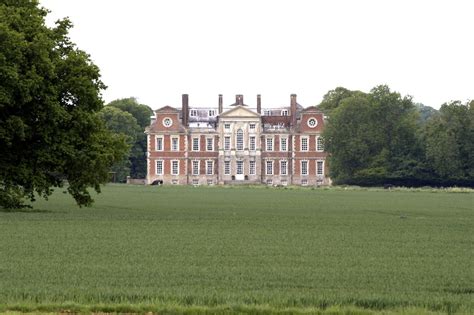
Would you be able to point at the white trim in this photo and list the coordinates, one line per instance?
(286, 167)
(198, 138)
(272, 142)
(322, 163)
(254, 148)
(198, 167)
(172, 173)
(311, 126)
(212, 143)
(212, 167)
(254, 168)
(266, 168)
(162, 167)
(301, 143)
(286, 138)
(171, 143)
(301, 167)
(162, 143)
(167, 119)
(230, 143)
(230, 168)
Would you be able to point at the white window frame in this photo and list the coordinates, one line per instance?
(284, 170)
(209, 163)
(198, 147)
(301, 144)
(211, 113)
(212, 144)
(307, 168)
(172, 167)
(195, 170)
(227, 144)
(162, 162)
(319, 144)
(284, 112)
(252, 167)
(237, 164)
(266, 112)
(267, 163)
(227, 127)
(286, 144)
(193, 113)
(227, 168)
(322, 167)
(173, 148)
(160, 139)
(239, 140)
(269, 144)
(252, 143)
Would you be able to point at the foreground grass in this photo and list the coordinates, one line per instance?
(248, 250)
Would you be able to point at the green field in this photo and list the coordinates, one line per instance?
(220, 249)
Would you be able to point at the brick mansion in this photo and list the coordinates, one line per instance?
(236, 144)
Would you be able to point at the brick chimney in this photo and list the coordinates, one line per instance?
(185, 109)
(293, 109)
(259, 104)
(221, 107)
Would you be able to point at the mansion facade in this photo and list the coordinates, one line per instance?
(236, 144)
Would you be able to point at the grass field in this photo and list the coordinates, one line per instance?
(249, 250)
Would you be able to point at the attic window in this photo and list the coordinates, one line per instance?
(212, 112)
(284, 112)
(194, 112)
(266, 112)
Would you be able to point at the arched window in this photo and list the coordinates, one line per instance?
(240, 140)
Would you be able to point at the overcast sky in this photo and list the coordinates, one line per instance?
(158, 50)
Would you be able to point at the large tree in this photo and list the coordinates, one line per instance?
(372, 139)
(449, 143)
(142, 113)
(123, 123)
(50, 132)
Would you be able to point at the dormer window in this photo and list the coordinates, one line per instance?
(266, 112)
(194, 113)
(284, 112)
(212, 113)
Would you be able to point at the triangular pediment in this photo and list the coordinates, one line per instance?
(239, 111)
(166, 109)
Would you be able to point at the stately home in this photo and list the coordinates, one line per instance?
(237, 144)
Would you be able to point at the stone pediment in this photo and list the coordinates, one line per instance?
(167, 109)
(239, 111)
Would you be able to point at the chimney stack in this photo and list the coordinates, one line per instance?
(259, 104)
(185, 109)
(293, 109)
(221, 107)
(239, 99)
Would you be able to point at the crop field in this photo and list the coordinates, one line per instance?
(241, 249)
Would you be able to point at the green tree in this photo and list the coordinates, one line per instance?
(125, 124)
(372, 139)
(333, 98)
(50, 132)
(142, 113)
(449, 142)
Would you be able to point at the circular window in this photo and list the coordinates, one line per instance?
(167, 122)
(312, 122)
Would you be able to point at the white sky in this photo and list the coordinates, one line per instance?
(157, 50)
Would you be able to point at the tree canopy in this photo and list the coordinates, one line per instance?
(50, 131)
(137, 158)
